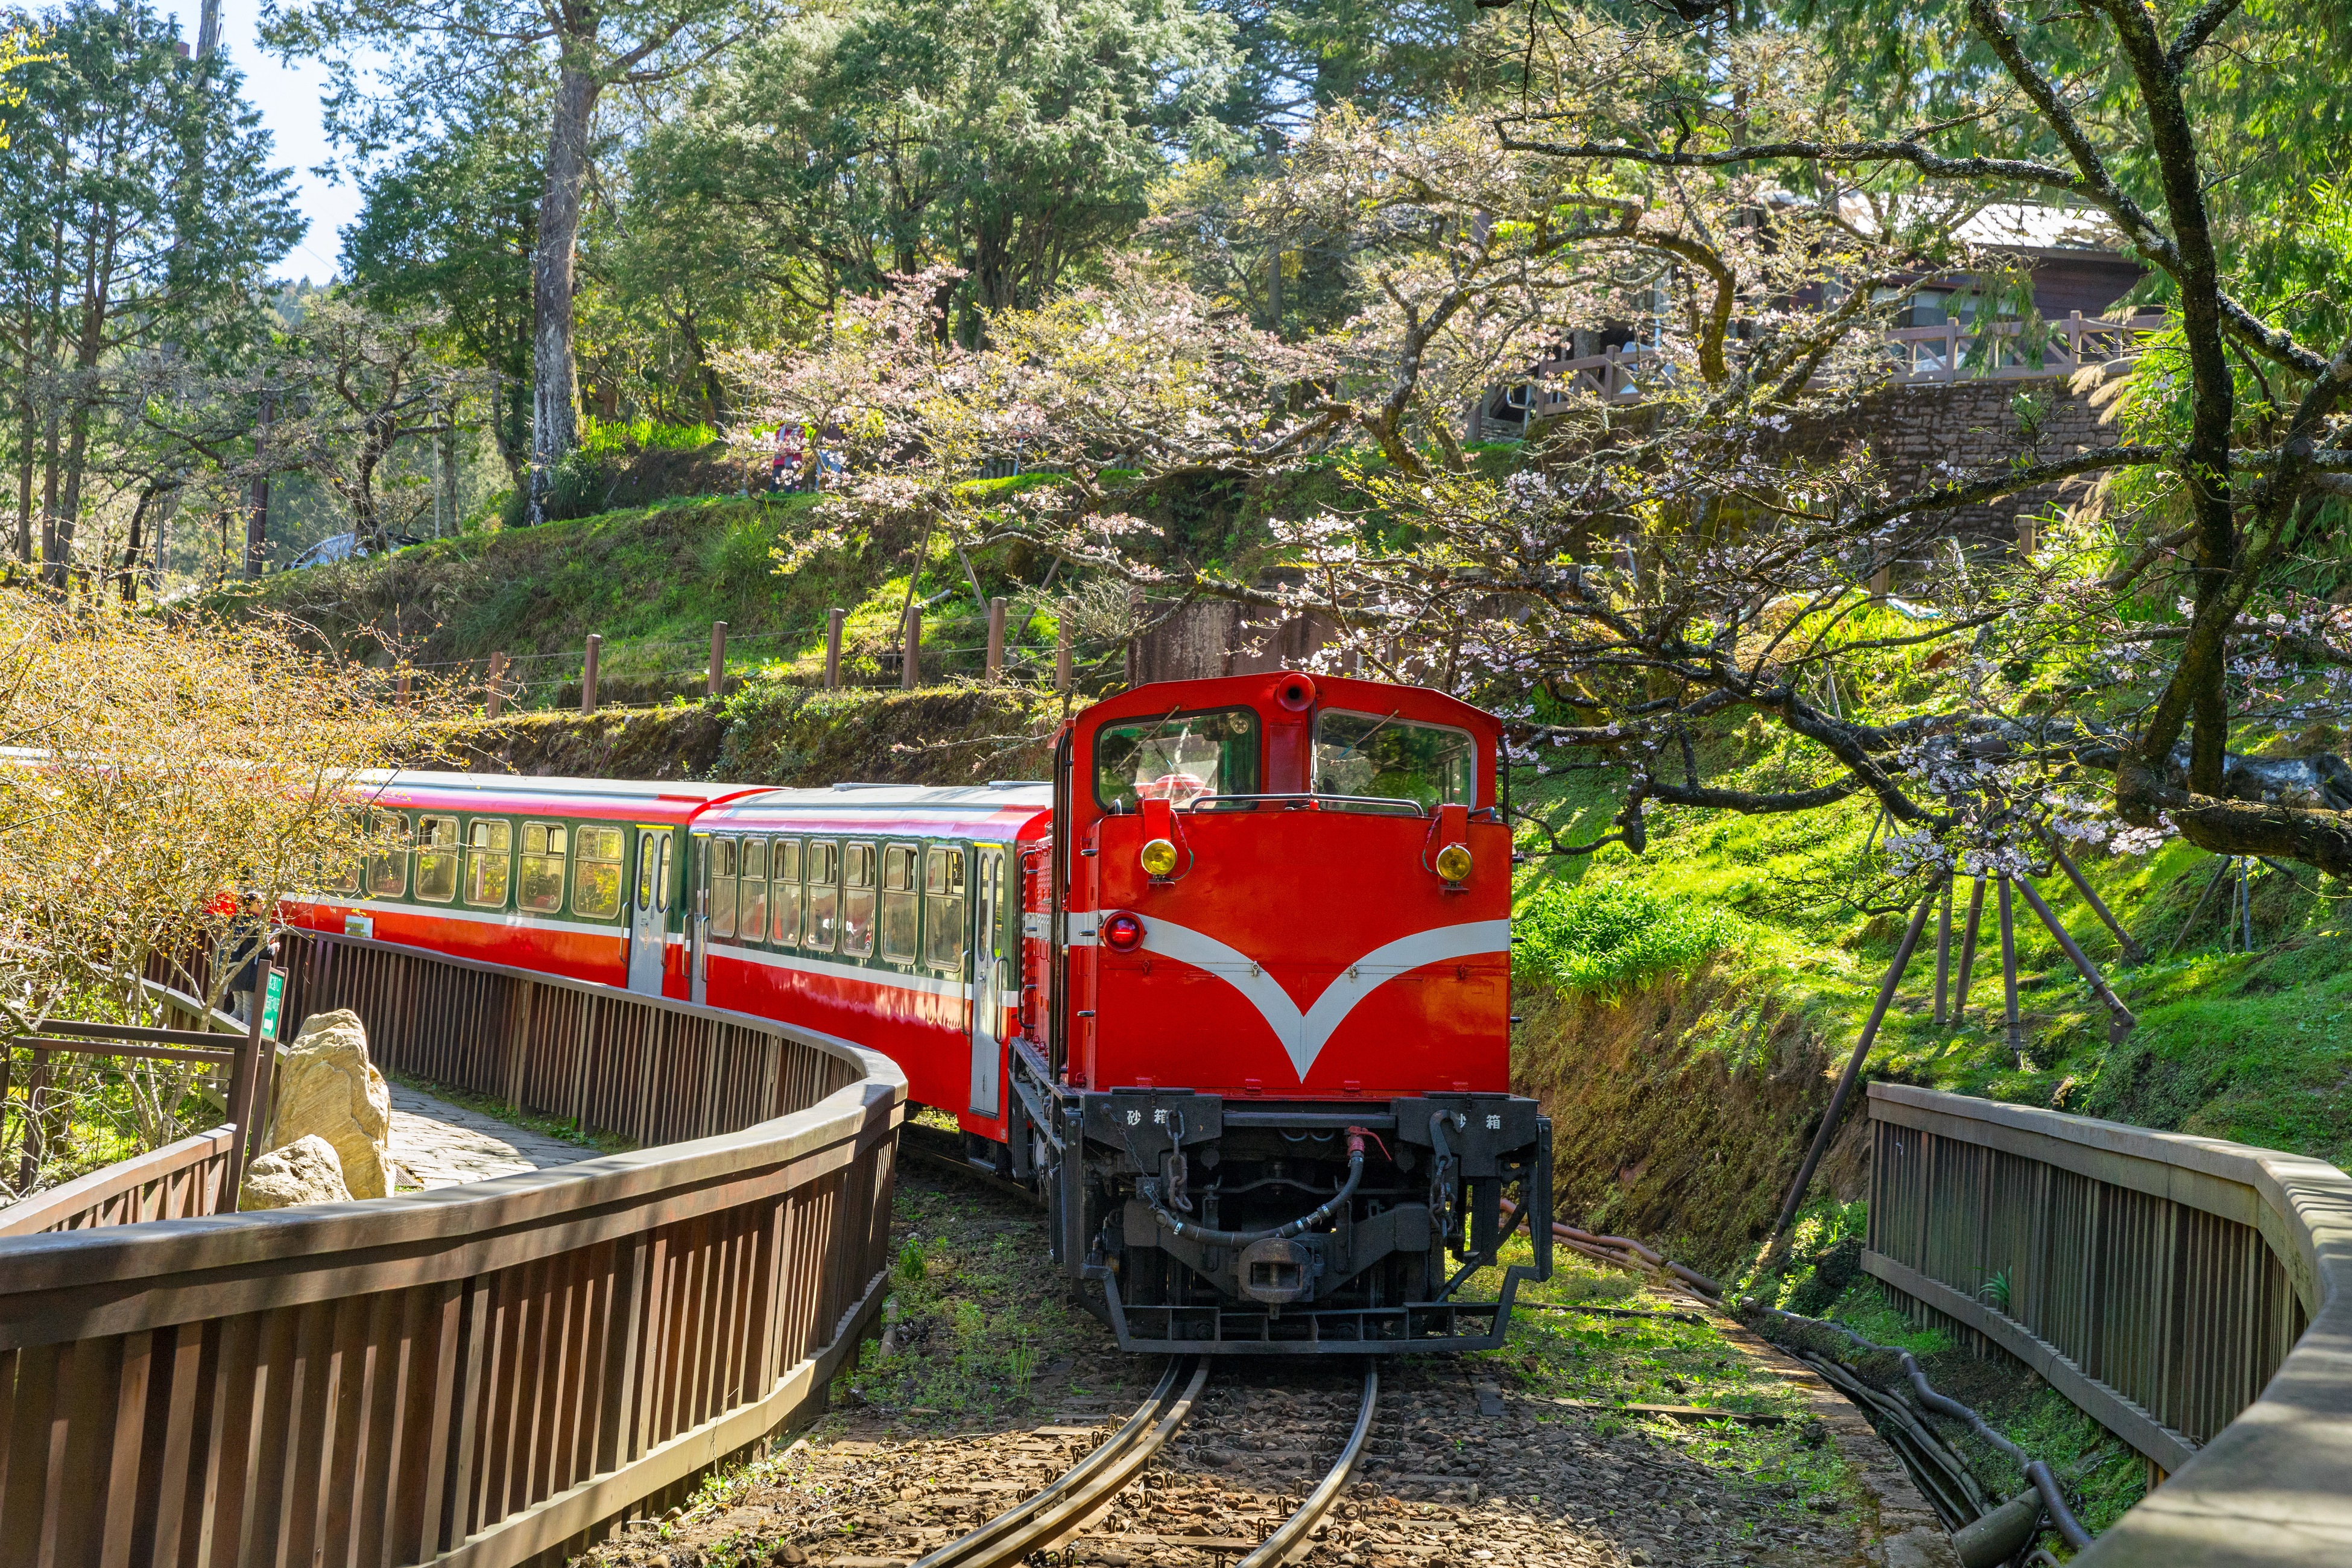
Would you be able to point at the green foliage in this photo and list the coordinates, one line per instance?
(1602, 936)
(642, 434)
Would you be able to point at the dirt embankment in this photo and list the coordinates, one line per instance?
(774, 733)
(1680, 1112)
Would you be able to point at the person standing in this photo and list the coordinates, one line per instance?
(249, 942)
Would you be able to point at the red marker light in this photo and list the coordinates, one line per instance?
(1124, 933)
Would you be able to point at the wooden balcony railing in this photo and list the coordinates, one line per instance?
(491, 1374)
(1956, 351)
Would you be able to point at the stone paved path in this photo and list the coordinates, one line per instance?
(441, 1144)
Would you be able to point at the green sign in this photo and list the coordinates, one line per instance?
(273, 994)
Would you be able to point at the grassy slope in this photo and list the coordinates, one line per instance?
(2254, 1048)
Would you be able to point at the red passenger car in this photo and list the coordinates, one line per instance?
(1232, 992)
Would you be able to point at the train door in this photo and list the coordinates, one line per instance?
(649, 911)
(988, 981)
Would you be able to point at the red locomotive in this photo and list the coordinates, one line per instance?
(1232, 992)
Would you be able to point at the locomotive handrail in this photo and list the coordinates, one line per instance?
(488, 1373)
(1313, 799)
(2194, 1296)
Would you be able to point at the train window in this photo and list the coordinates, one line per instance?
(1179, 757)
(944, 891)
(900, 910)
(1366, 755)
(823, 921)
(653, 869)
(341, 877)
(437, 858)
(752, 923)
(541, 886)
(723, 877)
(388, 873)
(784, 906)
(857, 900)
(488, 863)
(597, 886)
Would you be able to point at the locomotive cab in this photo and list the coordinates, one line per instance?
(1271, 1109)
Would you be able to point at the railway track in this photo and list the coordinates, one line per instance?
(1068, 1505)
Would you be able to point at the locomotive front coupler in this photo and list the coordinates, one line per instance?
(1343, 1209)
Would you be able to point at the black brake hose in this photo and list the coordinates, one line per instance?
(1209, 1236)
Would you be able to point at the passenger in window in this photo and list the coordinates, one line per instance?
(824, 923)
(541, 887)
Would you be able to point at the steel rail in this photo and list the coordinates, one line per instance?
(1291, 1535)
(1087, 1487)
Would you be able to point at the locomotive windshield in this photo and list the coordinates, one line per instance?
(1179, 757)
(1390, 758)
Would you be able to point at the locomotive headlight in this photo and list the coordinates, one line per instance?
(1454, 862)
(1159, 858)
(1122, 933)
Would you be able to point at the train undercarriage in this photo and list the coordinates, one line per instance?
(1197, 1224)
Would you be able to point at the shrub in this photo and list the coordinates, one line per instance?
(1602, 936)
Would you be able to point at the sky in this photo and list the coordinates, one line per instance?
(288, 101)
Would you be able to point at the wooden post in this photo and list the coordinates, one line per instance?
(1062, 654)
(718, 659)
(1951, 349)
(1943, 951)
(588, 673)
(2198, 907)
(995, 639)
(1882, 582)
(833, 620)
(2123, 1021)
(2008, 969)
(2132, 951)
(1968, 949)
(244, 1093)
(910, 659)
(400, 690)
(493, 698)
(36, 1092)
(2026, 538)
(1853, 1064)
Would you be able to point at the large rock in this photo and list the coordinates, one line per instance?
(304, 1172)
(325, 1086)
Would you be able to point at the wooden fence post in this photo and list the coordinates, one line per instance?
(910, 662)
(588, 673)
(400, 688)
(1061, 656)
(995, 639)
(494, 699)
(833, 620)
(243, 1092)
(718, 657)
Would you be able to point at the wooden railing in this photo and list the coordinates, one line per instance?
(2194, 1296)
(1955, 351)
(488, 1374)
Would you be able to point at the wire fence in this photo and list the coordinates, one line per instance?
(655, 672)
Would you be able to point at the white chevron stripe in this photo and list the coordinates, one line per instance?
(1303, 1035)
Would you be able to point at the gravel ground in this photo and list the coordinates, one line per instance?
(994, 1383)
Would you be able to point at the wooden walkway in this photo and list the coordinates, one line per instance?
(440, 1144)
